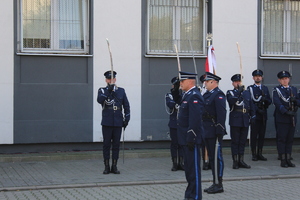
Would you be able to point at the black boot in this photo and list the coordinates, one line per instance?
(283, 162)
(254, 155)
(174, 167)
(235, 162)
(210, 187)
(242, 164)
(114, 168)
(180, 164)
(217, 188)
(106, 165)
(206, 165)
(260, 156)
(288, 161)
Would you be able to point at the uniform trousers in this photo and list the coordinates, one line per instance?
(175, 148)
(258, 131)
(192, 170)
(238, 139)
(285, 137)
(111, 138)
(211, 146)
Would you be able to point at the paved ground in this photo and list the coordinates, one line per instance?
(145, 174)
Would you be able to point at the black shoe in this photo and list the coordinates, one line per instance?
(210, 187)
(106, 165)
(288, 161)
(218, 188)
(114, 168)
(180, 165)
(283, 162)
(242, 164)
(174, 167)
(254, 157)
(205, 165)
(235, 164)
(260, 156)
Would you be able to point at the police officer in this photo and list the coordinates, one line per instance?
(115, 115)
(172, 102)
(261, 98)
(286, 101)
(241, 112)
(214, 117)
(206, 164)
(190, 133)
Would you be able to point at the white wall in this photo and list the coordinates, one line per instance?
(6, 72)
(235, 21)
(120, 22)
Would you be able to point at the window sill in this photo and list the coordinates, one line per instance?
(172, 56)
(279, 57)
(49, 54)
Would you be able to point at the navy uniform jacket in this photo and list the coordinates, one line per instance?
(281, 97)
(190, 128)
(260, 106)
(240, 113)
(214, 115)
(171, 104)
(112, 107)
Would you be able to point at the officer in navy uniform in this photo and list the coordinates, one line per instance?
(286, 101)
(214, 117)
(206, 164)
(115, 115)
(190, 133)
(241, 112)
(261, 98)
(172, 102)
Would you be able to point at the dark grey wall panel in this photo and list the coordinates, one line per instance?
(156, 82)
(271, 68)
(59, 70)
(53, 131)
(53, 99)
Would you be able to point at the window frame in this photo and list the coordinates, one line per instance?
(53, 50)
(286, 49)
(175, 34)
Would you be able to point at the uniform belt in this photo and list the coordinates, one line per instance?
(113, 108)
(244, 110)
(208, 117)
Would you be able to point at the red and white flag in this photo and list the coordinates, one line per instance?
(211, 64)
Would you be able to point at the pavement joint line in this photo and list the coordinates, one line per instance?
(132, 183)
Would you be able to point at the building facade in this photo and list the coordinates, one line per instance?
(56, 53)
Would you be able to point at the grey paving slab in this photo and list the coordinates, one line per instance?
(275, 189)
(147, 170)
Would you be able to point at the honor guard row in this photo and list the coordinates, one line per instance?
(201, 122)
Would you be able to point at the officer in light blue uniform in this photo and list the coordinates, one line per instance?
(214, 117)
(172, 102)
(286, 101)
(190, 133)
(115, 115)
(261, 98)
(242, 110)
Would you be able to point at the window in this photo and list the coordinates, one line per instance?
(175, 22)
(280, 28)
(54, 26)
